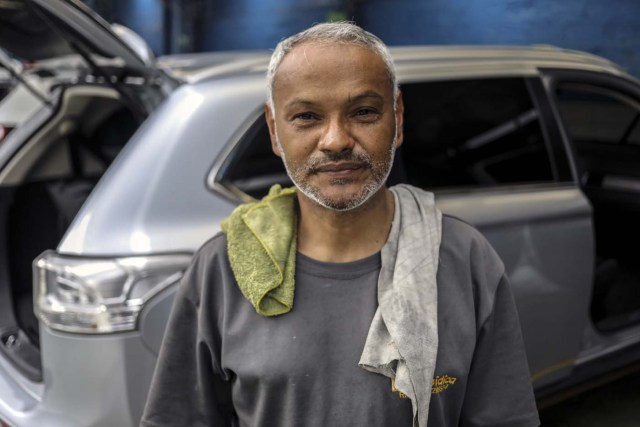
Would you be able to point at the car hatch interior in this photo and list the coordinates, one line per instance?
(47, 182)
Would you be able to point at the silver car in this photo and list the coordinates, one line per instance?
(132, 163)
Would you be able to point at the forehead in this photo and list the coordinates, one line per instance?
(330, 68)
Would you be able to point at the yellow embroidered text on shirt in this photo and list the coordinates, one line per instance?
(438, 385)
(441, 383)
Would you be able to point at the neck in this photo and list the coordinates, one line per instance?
(335, 236)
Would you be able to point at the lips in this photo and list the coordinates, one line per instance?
(340, 167)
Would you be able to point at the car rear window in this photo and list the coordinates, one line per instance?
(481, 132)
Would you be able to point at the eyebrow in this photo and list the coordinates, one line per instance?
(298, 101)
(352, 99)
(367, 94)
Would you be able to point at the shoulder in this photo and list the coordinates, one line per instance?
(464, 244)
(212, 254)
(460, 232)
(215, 246)
(469, 269)
(209, 265)
(460, 240)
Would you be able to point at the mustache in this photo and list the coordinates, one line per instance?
(313, 164)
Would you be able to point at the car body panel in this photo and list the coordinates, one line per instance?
(201, 66)
(153, 213)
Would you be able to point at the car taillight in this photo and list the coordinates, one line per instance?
(100, 295)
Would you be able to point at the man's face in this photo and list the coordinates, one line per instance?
(334, 124)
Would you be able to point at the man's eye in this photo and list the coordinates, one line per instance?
(304, 116)
(368, 114)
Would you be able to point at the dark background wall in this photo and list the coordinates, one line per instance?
(609, 29)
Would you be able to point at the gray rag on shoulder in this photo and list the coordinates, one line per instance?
(402, 341)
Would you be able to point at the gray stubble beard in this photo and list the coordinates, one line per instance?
(314, 193)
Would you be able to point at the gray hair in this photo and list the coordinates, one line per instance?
(334, 32)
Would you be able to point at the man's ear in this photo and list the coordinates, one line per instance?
(399, 119)
(271, 124)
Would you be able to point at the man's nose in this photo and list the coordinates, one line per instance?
(336, 137)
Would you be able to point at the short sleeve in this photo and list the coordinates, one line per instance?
(186, 389)
(499, 391)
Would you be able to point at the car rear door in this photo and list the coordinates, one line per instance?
(600, 115)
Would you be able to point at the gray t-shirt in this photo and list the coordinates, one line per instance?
(222, 364)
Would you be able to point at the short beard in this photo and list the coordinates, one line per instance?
(315, 193)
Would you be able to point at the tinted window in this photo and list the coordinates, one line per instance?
(473, 132)
(595, 114)
(457, 133)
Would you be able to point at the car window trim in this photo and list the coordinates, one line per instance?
(216, 180)
(561, 163)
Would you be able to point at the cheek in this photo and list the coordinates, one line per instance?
(377, 140)
(302, 155)
(297, 144)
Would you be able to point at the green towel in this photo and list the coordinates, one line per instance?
(261, 240)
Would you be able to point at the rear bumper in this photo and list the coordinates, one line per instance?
(89, 380)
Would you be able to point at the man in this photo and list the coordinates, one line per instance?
(402, 316)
